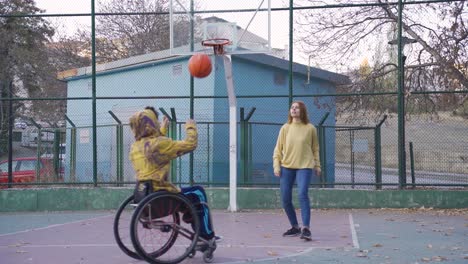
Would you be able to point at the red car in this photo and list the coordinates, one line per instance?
(24, 170)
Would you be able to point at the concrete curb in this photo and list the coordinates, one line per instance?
(64, 199)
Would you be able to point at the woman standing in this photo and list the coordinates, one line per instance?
(295, 158)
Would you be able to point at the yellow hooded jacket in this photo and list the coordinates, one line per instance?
(152, 152)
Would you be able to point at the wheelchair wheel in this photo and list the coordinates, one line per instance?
(122, 219)
(157, 232)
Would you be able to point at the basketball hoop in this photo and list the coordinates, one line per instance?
(217, 44)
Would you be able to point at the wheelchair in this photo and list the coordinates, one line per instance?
(160, 229)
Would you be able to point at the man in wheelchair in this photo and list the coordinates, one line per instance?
(151, 154)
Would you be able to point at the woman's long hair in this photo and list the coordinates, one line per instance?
(303, 109)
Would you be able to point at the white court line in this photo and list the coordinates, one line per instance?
(114, 245)
(353, 231)
(52, 226)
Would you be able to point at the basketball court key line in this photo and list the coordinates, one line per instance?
(353, 232)
(56, 225)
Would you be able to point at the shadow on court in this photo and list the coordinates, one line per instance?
(339, 236)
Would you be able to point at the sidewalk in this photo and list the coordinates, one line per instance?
(339, 236)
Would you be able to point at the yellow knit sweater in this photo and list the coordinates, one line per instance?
(297, 147)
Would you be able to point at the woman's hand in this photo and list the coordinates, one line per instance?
(318, 172)
(277, 173)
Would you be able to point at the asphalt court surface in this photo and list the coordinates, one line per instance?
(339, 236)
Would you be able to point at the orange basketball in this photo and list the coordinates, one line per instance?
(200, 65)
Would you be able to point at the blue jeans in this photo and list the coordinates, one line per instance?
(287, 178)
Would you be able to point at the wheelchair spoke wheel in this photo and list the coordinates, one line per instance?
(158, 234)
(122, 221)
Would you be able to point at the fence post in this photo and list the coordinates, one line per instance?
(413, 178)
(39, 143)
(248, 144)
(243, 147)
(72, 151)
(119, 149)
(56, 153)
(322, 152)
(245, 159)
(11, 121)
(378, 154)
(171, 133)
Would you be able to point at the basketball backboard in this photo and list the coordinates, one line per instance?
(246, 24)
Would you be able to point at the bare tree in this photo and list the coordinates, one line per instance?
(23, 41)
(126, 29)
(133, 27)
(438, 61)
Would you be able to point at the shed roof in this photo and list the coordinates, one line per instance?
(154, 58)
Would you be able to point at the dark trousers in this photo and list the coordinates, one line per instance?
(197, 195)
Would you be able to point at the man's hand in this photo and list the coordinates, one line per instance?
(190, 122)
(165, 122)
(277, 173)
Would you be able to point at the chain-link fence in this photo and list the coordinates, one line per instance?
(385, 85)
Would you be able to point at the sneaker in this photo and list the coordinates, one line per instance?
(306, 234)
(294, 231)
(217, 239)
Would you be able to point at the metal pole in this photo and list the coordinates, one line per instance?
(291, 22)
(11, 120)
(378, 153)
(322, 149)
(232, 134)
(192, 88)
(72, 150)
(119, 148)
(413, 178)
(401, 103)
(93, 77)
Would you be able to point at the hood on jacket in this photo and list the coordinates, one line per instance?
(145, 124)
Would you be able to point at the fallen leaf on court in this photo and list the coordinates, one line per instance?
(361, 255)
(439, 258)
(15, 245)
(19, 244)
(272, 253)
(378, 245)
(267, 236)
